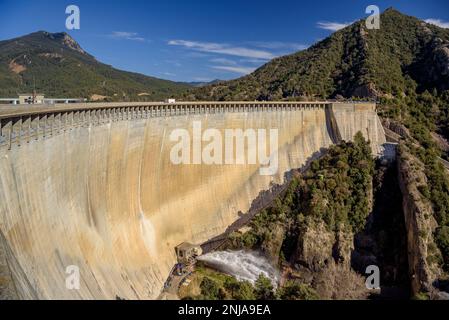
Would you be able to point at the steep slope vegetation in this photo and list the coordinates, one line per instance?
(59, 67)
(404, 53)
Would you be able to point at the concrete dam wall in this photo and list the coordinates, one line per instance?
(93, 186)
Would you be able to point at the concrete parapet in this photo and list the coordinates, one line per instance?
(45, 121)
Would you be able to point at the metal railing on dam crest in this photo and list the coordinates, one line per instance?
(24, 123)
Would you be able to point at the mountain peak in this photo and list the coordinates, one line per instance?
(56, 65)
(366, 64)
(65, 39)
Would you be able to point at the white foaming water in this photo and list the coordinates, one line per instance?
(243, 265)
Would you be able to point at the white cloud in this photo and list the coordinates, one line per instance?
(223, 48)
(223, 61)
(201, 79)
(277, 45)
(332, 26)
(438, 22)
(236, 69)
(254, 61)
(124, 35)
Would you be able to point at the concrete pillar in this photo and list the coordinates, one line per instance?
(34, 135)
(58, 120)
(89, 117)
(17, 131)
(70, 120)
(51, 123)
(42, 126)
(82, 118)
(95, 117)
(64, 121)
(26, 127)
(76, 119)
(6, 132)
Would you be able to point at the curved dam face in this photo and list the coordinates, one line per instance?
(105, 198)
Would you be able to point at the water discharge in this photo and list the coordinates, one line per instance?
(243, 265)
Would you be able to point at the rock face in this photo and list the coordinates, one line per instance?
(440, 55)
(420, 223)
(108, 200)
(343, 247)
(314, 248)
(273, 247)
(66, 40)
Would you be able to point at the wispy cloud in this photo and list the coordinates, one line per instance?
(438, 22)
(124, 35)
(235, 69)
(332, 26)
(201, 79)
(278, 45)
(253, 61)
(222, 48)
(223, 61)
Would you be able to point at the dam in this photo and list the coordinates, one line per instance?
(91, 185)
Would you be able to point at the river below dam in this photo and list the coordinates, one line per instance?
(243, 265)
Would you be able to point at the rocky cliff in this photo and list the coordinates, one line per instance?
(423, 253)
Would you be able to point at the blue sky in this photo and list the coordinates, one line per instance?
(194, 40)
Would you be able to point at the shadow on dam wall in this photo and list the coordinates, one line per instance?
(107, 199)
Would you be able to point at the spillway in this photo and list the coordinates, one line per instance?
(243, 265)
(103, 195)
